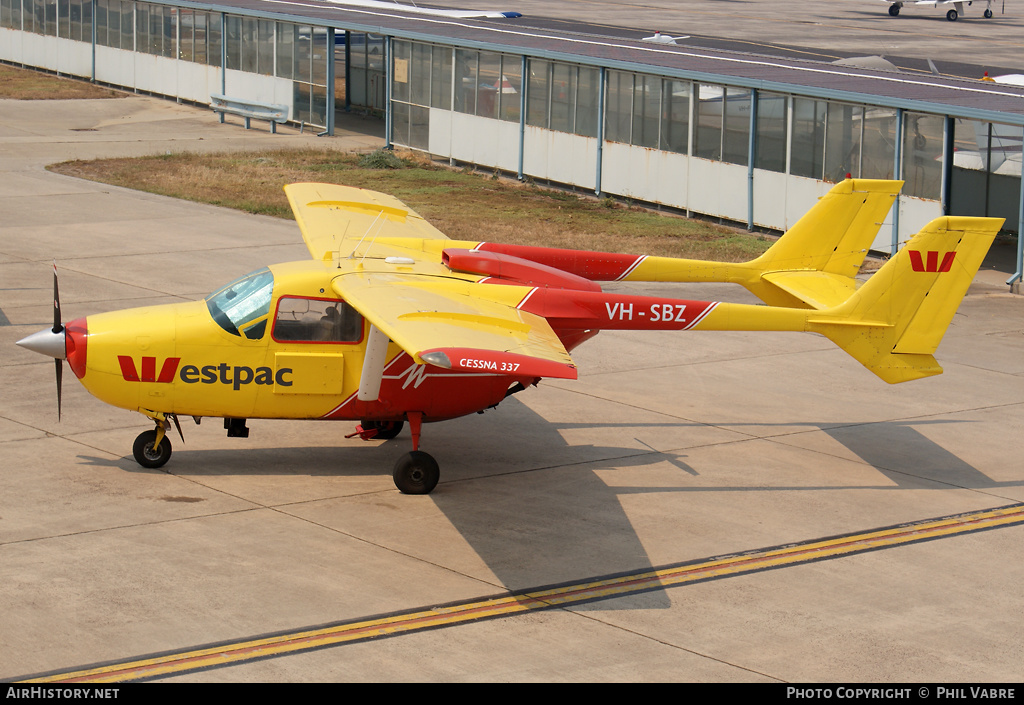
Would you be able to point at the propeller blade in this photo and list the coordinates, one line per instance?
(59, 367)
(58, 327)
(57, 323)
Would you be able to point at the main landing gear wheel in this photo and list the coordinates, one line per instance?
(894, 10)
(988, 14)
(386, 430)
(416, 473)
(952, 15)
(146, 455)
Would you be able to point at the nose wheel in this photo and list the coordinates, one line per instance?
(152, 449)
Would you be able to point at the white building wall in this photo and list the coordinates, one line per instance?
(718, 189)
(482, 141)
(645, 174)
(560, 156)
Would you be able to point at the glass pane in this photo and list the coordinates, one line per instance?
(619, 106)
(441, 78)
(807, 158)
(842, 141)
(878, 150)
(708, 128)
(772, 118)
(419, 86)
(489, 83)
(419, 127)
(186, 29)
(922, 155)
(304, 54)
(316, 321)
(233, 41)
(646, 110)
(286, 50)
(563, 97)
(265, 48)
(538, 92)
(248, 44)
(675, 115)
(318, 61)
(588, 93)
(736, 139)
(400, 73)
(465, 81)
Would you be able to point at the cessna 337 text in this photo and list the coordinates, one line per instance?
(391, 322)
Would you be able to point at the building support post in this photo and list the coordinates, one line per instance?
(751, 150)
(223, 57)
(946, 191)
(348, 70)
(329, 117)
(388, 74)
(523, 87)
(93, 69)
(1014, 281)
(600, 130)
(897, 172)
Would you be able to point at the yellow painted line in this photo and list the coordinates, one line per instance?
(538, 599)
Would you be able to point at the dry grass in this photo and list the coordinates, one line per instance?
(462, 204)
(24, 84)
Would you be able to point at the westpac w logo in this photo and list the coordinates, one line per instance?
(131, 373)
(930, 262)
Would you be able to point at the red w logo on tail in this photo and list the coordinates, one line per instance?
(131, 374)
(931, 264)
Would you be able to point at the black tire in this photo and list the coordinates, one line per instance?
(386, 430)
(894, 10)
(416, 473)
(146, 455)
(952, 15)
(988, 14)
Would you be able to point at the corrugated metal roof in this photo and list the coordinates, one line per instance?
(935, 94)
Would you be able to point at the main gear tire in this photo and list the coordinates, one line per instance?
(149, 456)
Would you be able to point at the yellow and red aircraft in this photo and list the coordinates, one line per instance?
(392, 322)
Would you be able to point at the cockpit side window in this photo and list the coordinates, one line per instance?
(302, 320)
(242, 307)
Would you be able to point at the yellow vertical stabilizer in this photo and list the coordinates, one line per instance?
(895, 321)
(813, 264)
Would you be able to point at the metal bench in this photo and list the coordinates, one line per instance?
(249, 109)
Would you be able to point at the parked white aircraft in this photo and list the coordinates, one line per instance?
(436, 12)
(951, 15)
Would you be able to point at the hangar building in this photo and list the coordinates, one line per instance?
(747, 138)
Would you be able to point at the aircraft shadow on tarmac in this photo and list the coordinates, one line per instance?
(567, 523)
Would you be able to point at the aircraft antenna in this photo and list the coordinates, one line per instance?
(354, 249)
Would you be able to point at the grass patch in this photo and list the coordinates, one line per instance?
(23, 84)
(462, 204)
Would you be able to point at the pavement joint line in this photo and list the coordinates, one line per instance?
(563, 596)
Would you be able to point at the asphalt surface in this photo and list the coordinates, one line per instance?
(671, 449)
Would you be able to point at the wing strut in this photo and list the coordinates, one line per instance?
(373, 364)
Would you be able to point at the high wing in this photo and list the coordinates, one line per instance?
(440, 321)
(338, 220)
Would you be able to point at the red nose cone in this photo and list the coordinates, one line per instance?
(76, 335)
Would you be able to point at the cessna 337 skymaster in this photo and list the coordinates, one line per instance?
(392, 322)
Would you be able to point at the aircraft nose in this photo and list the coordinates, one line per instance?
(46, 342)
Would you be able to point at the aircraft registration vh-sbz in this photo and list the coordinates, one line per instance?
(391, 322)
